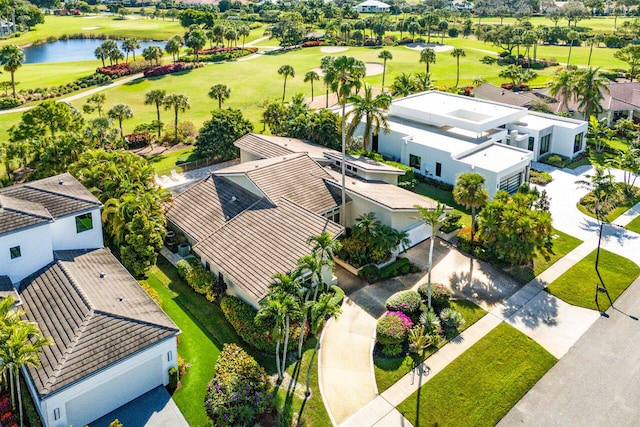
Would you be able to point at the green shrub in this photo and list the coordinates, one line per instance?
(555, 160)
(199, 278)
(451, 318)
(613, 42)
(6, 103)
(338, 295)
(451, 221)
(239, 390)
(392, 350)
(173, 379)
(184, 268)
(393, 328)
(370, 273)
(400, 267)
(540, 178)
(440, 296)
(431, 321)
(407, 302)
(242, 317)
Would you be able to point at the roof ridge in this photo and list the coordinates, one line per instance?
(133, 320)
(83, 296)
(54, 193)
(265, 198)
(50, 217)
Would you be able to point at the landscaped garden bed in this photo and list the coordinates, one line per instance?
(619, 200)
(483, 384)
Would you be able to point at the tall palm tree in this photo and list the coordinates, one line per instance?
(601, 184)
(343, 75)
(130, 45)
(433, 218)
(457, 53)
(589, 88)
(21, 348)
(385, 55)
(311, 265)
(120, 112)
(11, 58)
(156, 97)
(372, 111)
(321, 310)
(469, 191)
(286, 71)
(325, 63)
(179, 103)
(571, 37)
(243, 31)
(428, 56)
(173, 47)
(311, 76)
(271, 310)
(219, 92)
(562, 86)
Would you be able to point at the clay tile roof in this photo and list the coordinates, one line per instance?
(208, 205)
(262, 241)
(95, 312)
(16, 214)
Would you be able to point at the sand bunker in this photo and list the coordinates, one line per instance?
(89, 28)
(436, 47)
(333, 49)
(374, 68)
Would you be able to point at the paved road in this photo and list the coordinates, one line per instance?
(598, 382)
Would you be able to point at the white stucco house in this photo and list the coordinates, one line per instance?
(252, 220)
(110, 341)
(442, 135)
(372, 6)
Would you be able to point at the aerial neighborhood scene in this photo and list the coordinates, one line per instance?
(319, 213)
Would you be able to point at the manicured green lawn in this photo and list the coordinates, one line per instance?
(634, 225)
(446, 197)
(578, 284)
(204, 332)
(562, 245)
(389, 370)
(165, 162)
(482, 385)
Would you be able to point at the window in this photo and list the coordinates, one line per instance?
(333, 215)
(577, 143)
(56, 414)
(84, 222)
(414, 161)
(544, 144)
(531, 142)
(169, 356)
(207, 265)
(15, 252)
(438, 169)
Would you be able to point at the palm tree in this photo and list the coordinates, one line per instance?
(589, 88)
(343, 75)
(120, 112)
(156, 97)
(286, 71)
(432, 217)
(130, 45)
(562, 87)
(179, 103)
(311, 266)
(311, 76)
(403, 85)
(271, 310)
(173, 47)
(322, 310)
(11, 58)
(601, 184)
(457, 53)
(243, 31)
(220, 92)
(325, 63)
(385, 55)
(428, 56)
(571, 37)
(372, 110)
(469, 191)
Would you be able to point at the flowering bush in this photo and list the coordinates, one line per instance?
(407, 302)
(405, 40)
(312, 43)
(119, 70)
(138, 139)
(161, 70)
(393, 328)
(242, 317)
(239, 391)
(440, 296)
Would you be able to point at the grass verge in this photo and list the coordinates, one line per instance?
(389, 370)
(578, 284)
(482, 385)
(562, 245)
(634, 225)
(167, 161)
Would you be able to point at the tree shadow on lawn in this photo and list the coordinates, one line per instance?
(493, 288)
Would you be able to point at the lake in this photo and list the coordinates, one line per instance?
(72, 50)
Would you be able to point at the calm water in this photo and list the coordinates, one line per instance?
(72, 50)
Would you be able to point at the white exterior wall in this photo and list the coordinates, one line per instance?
(244, 182)
(119, 380)
(35, 248)
(246, 156)
(563, 138)
(379, 176)
(64, 235)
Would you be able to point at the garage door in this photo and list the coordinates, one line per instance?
(512, 183)
(117, 391)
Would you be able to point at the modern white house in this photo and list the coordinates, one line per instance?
(442, 135)
(252, 220)
(372, 6)
(111, 342)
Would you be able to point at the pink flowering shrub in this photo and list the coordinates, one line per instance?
(393, 328)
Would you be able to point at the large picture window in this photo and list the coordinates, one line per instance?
(84, 222)
(577, 143)
(438, 169)
(545, 141)
(414, 161)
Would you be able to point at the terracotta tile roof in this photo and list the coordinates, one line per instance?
(296, 177)
(16, 214)
(60, 195)
(262, 241)
(95, 312)
(208, 205)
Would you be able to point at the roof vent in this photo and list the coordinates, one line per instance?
(60, 182)
(102, 275)
(233, 198)
(227, 217)
(120, 299)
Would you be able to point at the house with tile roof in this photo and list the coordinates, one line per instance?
(111, 342)
(252, 220)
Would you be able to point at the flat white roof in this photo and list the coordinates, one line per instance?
(364, 163)
(496, 157)
(373, 3)
(542, 121)
(442, 108)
